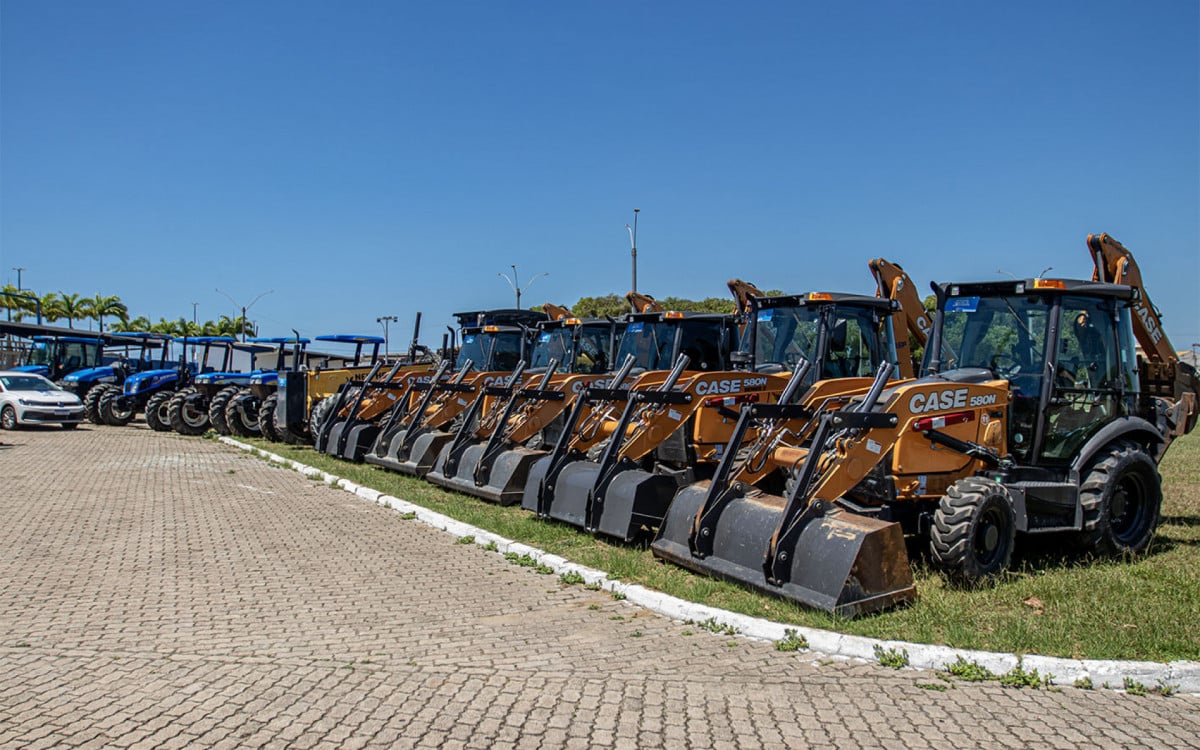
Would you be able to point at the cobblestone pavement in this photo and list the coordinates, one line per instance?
(161, 591)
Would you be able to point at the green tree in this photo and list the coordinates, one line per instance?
(140, 323)
(52, 307)
(72, 307)
(101, 305)
(610, 305)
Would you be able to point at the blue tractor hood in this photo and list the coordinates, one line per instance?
(35, 369)
(147, 379)
(102, 374)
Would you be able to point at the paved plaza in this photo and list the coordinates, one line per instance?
(165, 592)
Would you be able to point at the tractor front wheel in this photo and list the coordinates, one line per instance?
(266, 417)
(91, 403)
(241, 414)
(321, 411)
(187, 413)
(216, 408)
(974, 530)
(1121, 497)
(111, 410)
(156, 411)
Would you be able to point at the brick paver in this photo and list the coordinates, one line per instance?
(159, 592)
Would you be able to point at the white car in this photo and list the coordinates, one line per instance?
(27, 398)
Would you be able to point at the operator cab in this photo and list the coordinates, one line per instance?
(843, 335)
(496, 340)
(1065, 347)
(656, 339)
(582, 347)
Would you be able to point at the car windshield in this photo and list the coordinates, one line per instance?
(27, 383)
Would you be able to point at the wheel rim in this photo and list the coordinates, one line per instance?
(1129, 509)
(990, 535)
(8, 418)
(193, 417)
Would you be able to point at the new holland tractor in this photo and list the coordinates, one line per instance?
(123, 355)
(190, 409)
(241, 411)
(413, 431)
(490, 454)
(1035, 415)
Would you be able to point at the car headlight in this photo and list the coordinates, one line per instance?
(25, 402)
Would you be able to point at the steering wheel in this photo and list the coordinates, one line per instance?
(1005, 365)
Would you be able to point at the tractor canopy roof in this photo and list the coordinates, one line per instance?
(279, 340)
(69, 339)
(205, 340)
(349, 338)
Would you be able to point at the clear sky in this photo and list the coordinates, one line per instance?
(379, 158)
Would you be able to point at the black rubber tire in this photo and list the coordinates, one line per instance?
(241, 414)
(91, 402)
(185, 417)
(8, 418)
(320, 412)
(110, 413)
(1121, 495)
(974, 530)
(156, 411)
(216, 408)
(266, 418)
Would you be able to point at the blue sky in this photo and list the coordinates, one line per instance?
(380, 158)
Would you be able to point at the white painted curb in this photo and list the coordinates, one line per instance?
(1182, 676)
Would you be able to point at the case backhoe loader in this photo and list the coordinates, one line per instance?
(673, 431)
(410, 437)
(1035, 415)
(490, 456)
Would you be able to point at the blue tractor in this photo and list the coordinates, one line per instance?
(91, 384)
(201, 404)
(243, 410)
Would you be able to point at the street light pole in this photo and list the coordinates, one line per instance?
(18, 270)
(385, 319)
(633, 244)
(245, 308)
(516, 285)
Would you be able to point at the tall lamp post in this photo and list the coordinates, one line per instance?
(18, 270)
(633, 244)
(516, 284)
(245, 308)
(384, 320)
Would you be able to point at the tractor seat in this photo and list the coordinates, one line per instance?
(969, 375)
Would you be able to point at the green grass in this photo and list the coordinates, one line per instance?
(1145, 608)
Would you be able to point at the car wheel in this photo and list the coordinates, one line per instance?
(8, 418)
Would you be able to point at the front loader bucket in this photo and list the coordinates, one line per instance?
(534, 485)
(635, 500)
(504, 484)
(841, 562)
(362, 436)
(569, 503)
(327, 440)
(423, 453)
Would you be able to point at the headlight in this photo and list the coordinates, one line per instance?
(25, 402)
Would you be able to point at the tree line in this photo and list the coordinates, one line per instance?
(19, 304)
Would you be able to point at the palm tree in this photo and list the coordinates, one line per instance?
(9, 300)
(72, 306)
(101, 305)
(52, 307)
(140, 323)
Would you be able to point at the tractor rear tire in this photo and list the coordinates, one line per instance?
(1121, 497)
(91, 403)
(320, 412)
(156, 411)
(185, 417)
(216, 408)
(974, 530)
(112, 414)
(266, 418)
(241, 414)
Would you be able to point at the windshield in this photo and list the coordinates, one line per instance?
(491, 351)
(653, 344)
(554, 344)
(27, 383)
(39, 353)
(1006, 335)
(858, 339)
